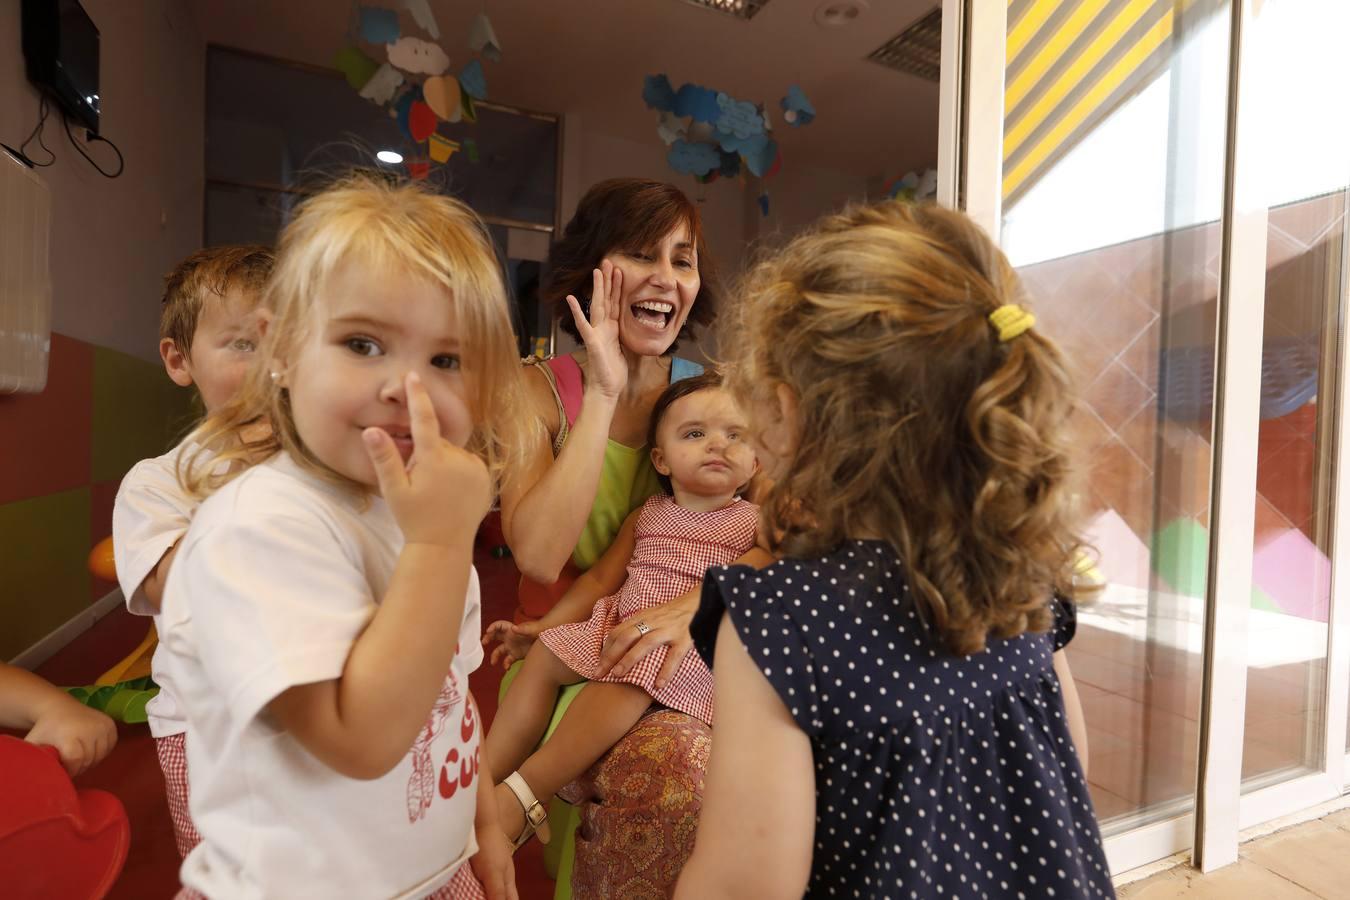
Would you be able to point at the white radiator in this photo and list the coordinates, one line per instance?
(25, 278)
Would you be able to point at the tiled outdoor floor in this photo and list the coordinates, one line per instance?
(1300, 863)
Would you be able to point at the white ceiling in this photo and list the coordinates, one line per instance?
(590, 57)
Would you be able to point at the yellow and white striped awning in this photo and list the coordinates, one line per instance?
(1070, 64)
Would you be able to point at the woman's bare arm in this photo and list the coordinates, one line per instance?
(545, 507)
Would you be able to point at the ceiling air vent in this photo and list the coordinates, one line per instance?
(915, 51)
(741, 9)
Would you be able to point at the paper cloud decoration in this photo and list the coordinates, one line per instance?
(697, 103)
(383, 84)
(693, 159)
(797, 110)
(712, 134)
(671, 129)
(738, 118)
(657, 93)
(748, 147)
(418, 56)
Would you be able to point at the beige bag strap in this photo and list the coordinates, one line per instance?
(537, 364)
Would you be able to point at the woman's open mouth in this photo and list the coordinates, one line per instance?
(653, 313)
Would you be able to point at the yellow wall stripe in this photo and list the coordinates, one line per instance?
(1028, 25)
(1072, 77)
(1124, 67)
(1050, 54)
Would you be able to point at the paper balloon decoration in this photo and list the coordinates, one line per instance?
(442, 94)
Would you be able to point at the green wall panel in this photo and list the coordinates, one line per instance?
(138, 412)
(44, 548)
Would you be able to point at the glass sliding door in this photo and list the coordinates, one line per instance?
(1114, 114)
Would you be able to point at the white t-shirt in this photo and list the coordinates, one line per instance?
(278, 575)
(149, 516)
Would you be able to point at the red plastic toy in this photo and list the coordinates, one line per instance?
(55, 841)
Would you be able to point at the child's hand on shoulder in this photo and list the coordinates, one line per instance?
(82, 736)
(515, 640)
(441, 495)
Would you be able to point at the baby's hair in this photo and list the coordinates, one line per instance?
(209, 271)
(625, 214)
(917, 424)
(387, 226)
(704, 381)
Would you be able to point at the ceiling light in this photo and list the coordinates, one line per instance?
(389, 156)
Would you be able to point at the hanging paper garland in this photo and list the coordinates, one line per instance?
(421, 121)
(712, 134)
(442, 95)
(418, 106)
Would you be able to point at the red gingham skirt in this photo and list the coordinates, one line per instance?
(464, 885)
(172, 753)
(674, 547)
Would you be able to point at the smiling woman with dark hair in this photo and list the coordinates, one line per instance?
(626, 217)
(633, 271)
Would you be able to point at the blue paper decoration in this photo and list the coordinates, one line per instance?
(751, 146)
(657, 93)
(712, 135)
(402, 107)
(472, 79)
(379, 26)
(738, 117)
(797, 110)
(693, 159)
(697, 102)
(763, 204)
(762, 158)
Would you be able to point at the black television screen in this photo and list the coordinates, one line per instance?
(60, 47)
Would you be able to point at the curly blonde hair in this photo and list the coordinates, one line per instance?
(915, 423)
(387, 226)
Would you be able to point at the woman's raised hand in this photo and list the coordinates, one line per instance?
(607, 371)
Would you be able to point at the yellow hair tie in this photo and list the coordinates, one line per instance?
(1011, 320)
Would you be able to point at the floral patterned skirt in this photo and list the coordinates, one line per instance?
(639, 809)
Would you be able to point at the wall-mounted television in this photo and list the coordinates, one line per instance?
(60, 48)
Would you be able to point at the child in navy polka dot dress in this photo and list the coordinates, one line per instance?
(895, 717)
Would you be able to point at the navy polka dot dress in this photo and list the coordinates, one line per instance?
(936, 776)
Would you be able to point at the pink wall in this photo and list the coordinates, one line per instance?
(113, 240)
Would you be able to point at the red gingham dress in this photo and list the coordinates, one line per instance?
(674, 547)
(172, 752)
